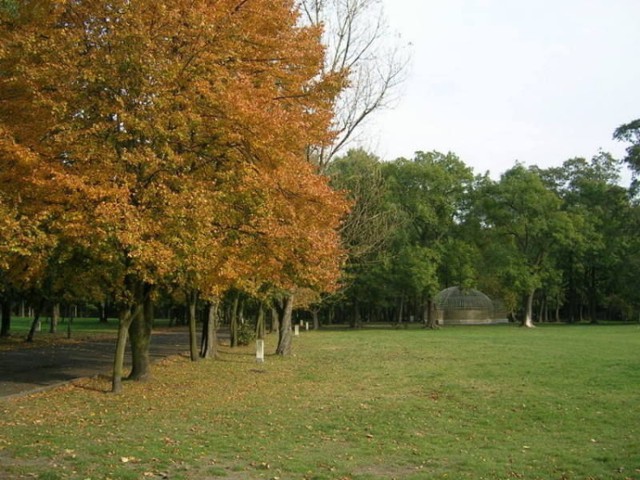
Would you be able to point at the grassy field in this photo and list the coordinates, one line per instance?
(556, 402)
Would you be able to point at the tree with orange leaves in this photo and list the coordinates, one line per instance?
(161, 130)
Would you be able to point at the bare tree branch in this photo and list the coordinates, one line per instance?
(359, 42)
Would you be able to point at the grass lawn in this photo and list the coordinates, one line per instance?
(492, 402)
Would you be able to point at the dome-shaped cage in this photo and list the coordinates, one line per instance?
(455, 305)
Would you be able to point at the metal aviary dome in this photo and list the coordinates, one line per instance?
(456, 298)
(457, 306)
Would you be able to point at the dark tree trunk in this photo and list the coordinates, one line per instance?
(234, 320)
(204, 335)
(36, 321)
(126, 315)
(260, 323)
(572, 292)
(69, 320)
(429, 317)
(209, 332)
(400, 312)
(285, 336)
(541, 309)
(124, 322)
(545, 311)
(55, 317)
(103, 312)
(316, 318)
(140, 339)
(241, 312)
(5, 327)
(192, 300)
(275, 321)
(356, 320)
(593, 297)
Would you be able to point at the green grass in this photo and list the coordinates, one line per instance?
(21, 325)
(556, 402)
(81, 329)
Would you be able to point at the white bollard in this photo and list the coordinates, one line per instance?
(260, 351)
(296, 330)
(306, 326)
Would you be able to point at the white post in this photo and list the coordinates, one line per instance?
(306, 326)
(296, 330)
(260, 351)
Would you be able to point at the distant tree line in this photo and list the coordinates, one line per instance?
(555, 244)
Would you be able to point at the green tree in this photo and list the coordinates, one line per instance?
(630, 133)
(599, 254)
(431, 192)
(367, 229)
(524, 221)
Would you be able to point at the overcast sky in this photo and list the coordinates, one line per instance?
(496, 81)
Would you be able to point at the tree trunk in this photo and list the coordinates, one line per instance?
(140, 339)
(241, 312)
(541, 309)
(36, 321)
(128, 312)
(5, 327)
(400, 312)
(275, 321)
(316, 318)
(234, 321)
(55, 317)
(430, 320)
(593, 296)
(356, 320)
(209, 332)
(260, 323)
(528, 314)
(124, 322)
(285, 335)
(192, 304)
(103, 312)
(69, 321)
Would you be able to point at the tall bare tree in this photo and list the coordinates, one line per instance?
(359, 42)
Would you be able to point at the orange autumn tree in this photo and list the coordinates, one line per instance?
(145, 120)
(300, 237)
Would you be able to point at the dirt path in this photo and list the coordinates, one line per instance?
(33, 369)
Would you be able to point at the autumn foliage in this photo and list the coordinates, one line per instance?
(166, 141)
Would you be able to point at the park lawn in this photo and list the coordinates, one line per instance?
(492, 402)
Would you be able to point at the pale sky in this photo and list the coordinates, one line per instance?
(495, 81)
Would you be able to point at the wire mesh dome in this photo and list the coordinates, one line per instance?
(455, 305)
